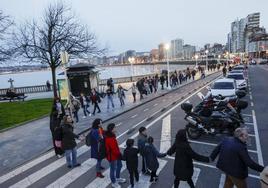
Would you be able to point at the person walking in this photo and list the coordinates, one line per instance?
(95, 99)
(121, 94)
(183, 166)
(142, 139)
(131, 157)
(234, 159)
(193, 74)
(134, 91)
(58, 108)
(109, 93)
(162, 81)
(113, 155)
(140, 87)
(48, 85)
(84, 101)
(68, 142)
(97, 145)
(74, 105)
(224, 71)
(151, 154)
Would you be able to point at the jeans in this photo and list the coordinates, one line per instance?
(98, 165)
(86, 110)
(121, 101)
(134, 97)
(96, 106)
(71, 157)
(110, 100)
(115, 169)
(76, 115)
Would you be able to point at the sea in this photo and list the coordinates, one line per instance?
(33, 78)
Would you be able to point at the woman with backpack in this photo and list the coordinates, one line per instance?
(97, 145)
(183, 166)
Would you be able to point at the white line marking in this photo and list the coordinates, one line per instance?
(167, 112)
(103, 182)
(75, 173)
(145, 109)
(134, 116)
(211, 166)
(251, 103)
(166, 134)
(257, 138)
(26, 166)
(214, 145)
(222, 180)
(248, 123)
(118, 124)
(200, 95)
(188, 101)
(155, 104)
(144, 181)
(46, 170)
(251, 135)
(250, 97)
(247, 115)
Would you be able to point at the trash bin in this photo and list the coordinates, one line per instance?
(264, 179)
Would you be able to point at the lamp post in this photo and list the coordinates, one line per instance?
(196, 57)
(168, 79)
(131, 60)
(206, 60)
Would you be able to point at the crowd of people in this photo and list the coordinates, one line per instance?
(233, 157)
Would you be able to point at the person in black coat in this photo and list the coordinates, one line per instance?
(131, 157)
(183, 166)
(151, 154)
(234, 159)
(68, 142)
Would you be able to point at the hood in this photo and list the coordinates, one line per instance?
(223, 92)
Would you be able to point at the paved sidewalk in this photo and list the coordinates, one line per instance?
(25, 142)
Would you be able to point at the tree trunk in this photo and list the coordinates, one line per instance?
(54, 81)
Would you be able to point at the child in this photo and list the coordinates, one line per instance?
(142, 139)
(151, 155)
(131, 157)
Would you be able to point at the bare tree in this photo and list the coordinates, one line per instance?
(5, 25)
(58, 29)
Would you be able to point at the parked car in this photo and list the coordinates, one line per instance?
(225, 87)
(241, 82)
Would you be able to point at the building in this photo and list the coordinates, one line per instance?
(237, 35)
(176, 49)
(162, 52)
(253, 20)
(154, 55)
(188, 51)
(258, 45)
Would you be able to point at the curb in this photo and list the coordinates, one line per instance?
(113, 117)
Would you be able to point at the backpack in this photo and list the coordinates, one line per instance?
(88, 139)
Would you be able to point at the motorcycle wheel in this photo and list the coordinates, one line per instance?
(193, 132)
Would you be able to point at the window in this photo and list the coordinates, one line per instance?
(223, 85)
(236, 76)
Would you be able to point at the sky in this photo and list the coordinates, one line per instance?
(142, 24)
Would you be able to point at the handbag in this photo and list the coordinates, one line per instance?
(58, 143)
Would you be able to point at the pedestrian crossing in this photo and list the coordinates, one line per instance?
(20, 178)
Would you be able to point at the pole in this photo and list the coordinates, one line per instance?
(131, 65)
(207, 62)
(168, 71)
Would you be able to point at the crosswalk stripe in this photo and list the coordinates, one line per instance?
(26, 166)
(45, 171)
(165, 142)
(103, 182)
(73, 174)
(145, 180)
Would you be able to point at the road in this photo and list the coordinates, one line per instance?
(163, 117)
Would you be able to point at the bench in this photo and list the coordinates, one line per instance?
(13, 97)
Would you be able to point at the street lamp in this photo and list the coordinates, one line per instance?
(131, 60)
(206, 60)
(167, 48)
(196, 57)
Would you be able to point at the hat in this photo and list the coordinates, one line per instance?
(263, 177)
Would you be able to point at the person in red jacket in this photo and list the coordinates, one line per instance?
(113, 155)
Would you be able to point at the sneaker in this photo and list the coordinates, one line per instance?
(99, 175)
(120, 180)
(116, 185)
(84, 117)
(59, 156)
(89, 114)
(78, 164)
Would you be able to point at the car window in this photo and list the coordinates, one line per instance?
(223, 85)
(236, 76)
(238, 68)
